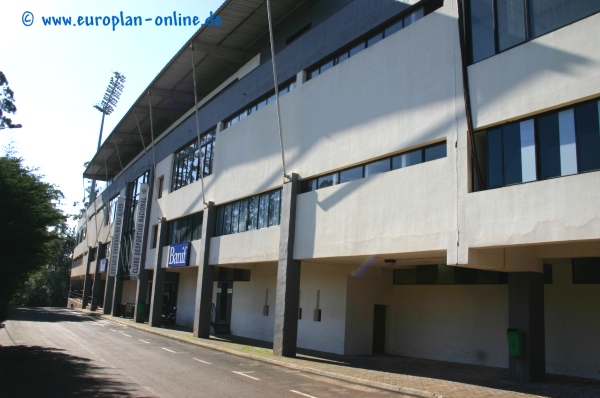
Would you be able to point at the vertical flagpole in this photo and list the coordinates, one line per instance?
(200, 158)
(285, 175)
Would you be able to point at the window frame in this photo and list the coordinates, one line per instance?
(186, 161)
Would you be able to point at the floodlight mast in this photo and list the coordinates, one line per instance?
(107, 106)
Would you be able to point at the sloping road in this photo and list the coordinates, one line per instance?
(48, 352)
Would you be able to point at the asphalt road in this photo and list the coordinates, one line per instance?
(61, 353)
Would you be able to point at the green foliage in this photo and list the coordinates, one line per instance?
(49, 286)
(31, 226)
(7, 102)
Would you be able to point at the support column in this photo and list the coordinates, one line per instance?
(287, 300)
(97, 278)
(158, 280)
(526, 312)
(87, 282)
(140, 295)
(108, 294)
(117, 293)
(206, 277)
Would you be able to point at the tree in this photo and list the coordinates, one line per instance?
(30, 225)
(7, 102)
(49, 286)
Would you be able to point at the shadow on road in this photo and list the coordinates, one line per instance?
(49, 372)
(46, 314)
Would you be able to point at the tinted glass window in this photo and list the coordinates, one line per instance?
(374, 39)
(495, 159)
(356, 49)
(263, 211)
(327, 181)
(407, 159)
(511, 23)
(588, 136)
(327, 66)
(512, 153)
(586, 270)
(351, 174)
(435, 152)
(549, 146)
(394, 28)
(482, 29)
(381, 166)
(548, 15)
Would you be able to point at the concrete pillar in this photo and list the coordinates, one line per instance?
(287, 298)
(97, 278)
(140, 295)
(117, 292)
(108, 294)
(87, 282)
(526, 312)
(206, 277)
(158, 279)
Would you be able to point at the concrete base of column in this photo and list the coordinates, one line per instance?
(117, 294)
(526, 313)
(140, 297)
(108, 294)
(206, 277)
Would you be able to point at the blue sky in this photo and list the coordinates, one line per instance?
(59, 72)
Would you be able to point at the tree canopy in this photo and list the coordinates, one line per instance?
(7, 102)
(31, 225)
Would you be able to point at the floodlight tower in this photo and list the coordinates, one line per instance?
(107, 106)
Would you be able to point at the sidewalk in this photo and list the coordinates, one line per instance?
(410, 376)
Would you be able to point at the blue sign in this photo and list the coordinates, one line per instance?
(103, 265)
(179, 255)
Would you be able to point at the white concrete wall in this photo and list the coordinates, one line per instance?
(554, 70)
(456, 323)
(247, 247)
(129, 290)
(330, 280)
(572, 325)
(186, 296)
(248, 299)
(394, 212)
(364, 291)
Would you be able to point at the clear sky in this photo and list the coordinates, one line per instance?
(59, 72)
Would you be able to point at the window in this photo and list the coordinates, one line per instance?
(586, 270)
(283, 90)
(498, 25)
(187, 161)
(425, 154)
(78, 261)
(374, 38)
(441, 274)
(161, 183)
(154, 236)
(81, 234)
(185, 229)
(112, 209)
(554, 144)
(255, 212)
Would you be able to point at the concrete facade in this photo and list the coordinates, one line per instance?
(359, 243)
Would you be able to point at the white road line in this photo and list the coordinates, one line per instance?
(126, 335)
(96, 323)
(144, 341)
(301, 393)
(244, 374)
(199, 360)
(113, 330)
(166, 349)
(291, 371)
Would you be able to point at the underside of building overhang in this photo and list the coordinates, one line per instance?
(219, 51)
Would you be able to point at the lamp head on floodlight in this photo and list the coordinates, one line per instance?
(112, 95)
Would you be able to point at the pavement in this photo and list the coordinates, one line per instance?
(410, 376)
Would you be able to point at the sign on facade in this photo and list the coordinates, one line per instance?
(116, 239)
(179, 255)
(140, 223)
(102, 266)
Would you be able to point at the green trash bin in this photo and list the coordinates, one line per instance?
(141, 308)
(515, 342)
